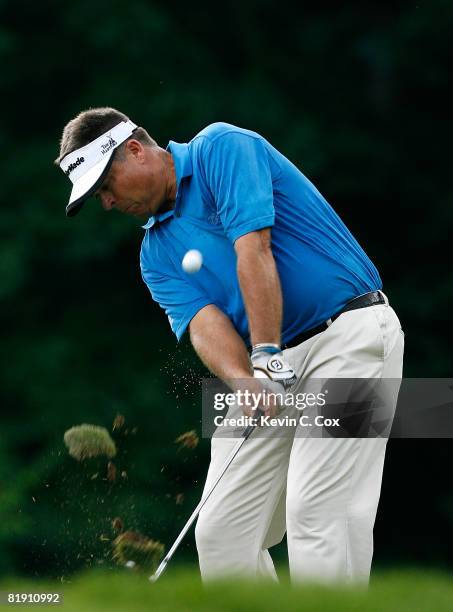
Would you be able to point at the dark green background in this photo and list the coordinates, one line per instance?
(356, 93)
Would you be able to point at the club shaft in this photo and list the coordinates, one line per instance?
(246, 434)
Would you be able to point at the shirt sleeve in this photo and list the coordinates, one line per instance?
(179, 299)
(240, 179)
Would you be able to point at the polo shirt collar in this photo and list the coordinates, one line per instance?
(183, 169)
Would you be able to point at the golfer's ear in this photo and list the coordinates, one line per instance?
(135, 148)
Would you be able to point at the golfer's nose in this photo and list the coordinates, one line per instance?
(107, 201)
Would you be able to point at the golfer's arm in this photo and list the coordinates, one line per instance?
(260, 286)
(218, 345)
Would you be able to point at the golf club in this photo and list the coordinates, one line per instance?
(245, 435)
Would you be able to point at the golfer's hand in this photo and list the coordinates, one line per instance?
(258, 396)
(263, 397)
(268, 361)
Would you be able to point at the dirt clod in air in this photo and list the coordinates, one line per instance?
(111, 471)
(86, 441)
(117, 524)
(189, 440)
(118, 422)
(132, 546)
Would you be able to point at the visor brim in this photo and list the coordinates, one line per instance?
(87, 185)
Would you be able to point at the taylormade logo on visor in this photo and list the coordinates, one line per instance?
(74, 165)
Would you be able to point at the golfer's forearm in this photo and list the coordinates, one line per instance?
(260, 286)
(218, 345)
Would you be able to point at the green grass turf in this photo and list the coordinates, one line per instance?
(180, 590)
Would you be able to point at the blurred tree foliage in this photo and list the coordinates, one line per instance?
(356, 93)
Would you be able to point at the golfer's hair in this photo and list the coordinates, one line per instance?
(91, 124)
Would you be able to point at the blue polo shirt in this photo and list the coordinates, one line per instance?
(230, 182)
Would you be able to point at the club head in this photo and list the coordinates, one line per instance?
(154, 577)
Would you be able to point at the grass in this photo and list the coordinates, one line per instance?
(180, 590)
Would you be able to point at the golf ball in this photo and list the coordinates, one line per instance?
(192, 261)
(130, 564)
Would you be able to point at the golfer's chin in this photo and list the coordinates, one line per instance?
(164, 207)
(147, 211)
(139, 210)
(142, 217)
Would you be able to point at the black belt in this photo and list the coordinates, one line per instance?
(363, 301)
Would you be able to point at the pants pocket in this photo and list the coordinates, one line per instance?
(389, 328)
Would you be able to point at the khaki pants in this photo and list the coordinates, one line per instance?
(323, 492)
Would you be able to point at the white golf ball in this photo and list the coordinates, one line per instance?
(130, 564)
(192, 261)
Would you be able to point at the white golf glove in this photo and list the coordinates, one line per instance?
(268, 361)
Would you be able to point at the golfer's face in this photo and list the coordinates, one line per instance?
(133, 187)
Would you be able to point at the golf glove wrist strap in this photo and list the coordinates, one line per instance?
(267, 360)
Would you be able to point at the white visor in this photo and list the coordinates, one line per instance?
(86, 167)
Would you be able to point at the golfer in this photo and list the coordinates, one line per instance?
(286, 291)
